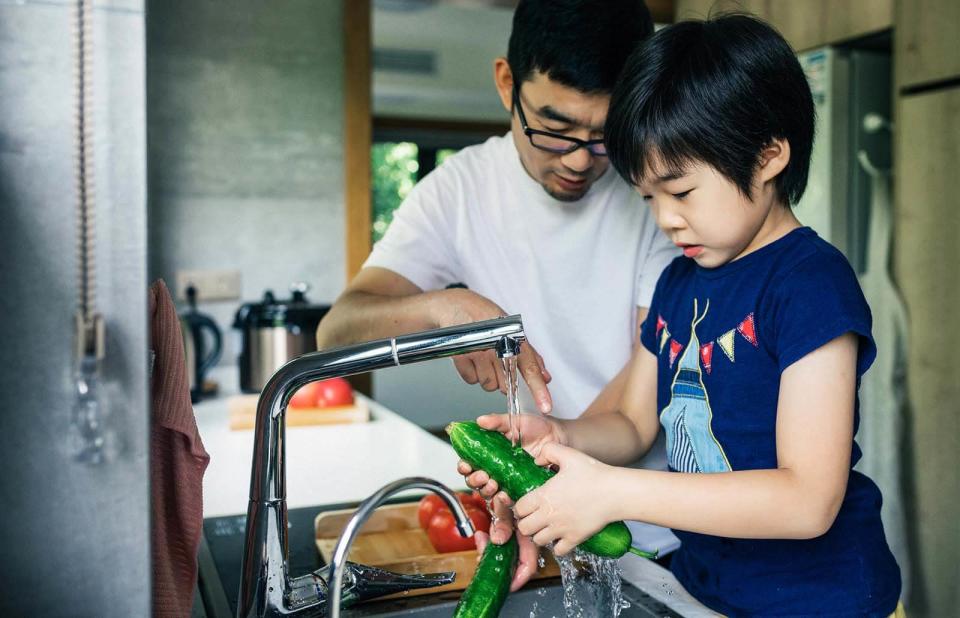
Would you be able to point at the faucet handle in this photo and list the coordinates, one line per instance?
(362, 582)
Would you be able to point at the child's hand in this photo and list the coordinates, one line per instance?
(536, 431)
(568, 508)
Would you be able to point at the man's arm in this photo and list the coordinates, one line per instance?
(377, 303)
(611, 397)
(381, 303)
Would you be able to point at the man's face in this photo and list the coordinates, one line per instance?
(550, 106)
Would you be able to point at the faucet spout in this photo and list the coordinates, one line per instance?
(266, 587)
(464, 525)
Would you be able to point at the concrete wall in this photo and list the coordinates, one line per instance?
(75, 538)
(244, 116)
(926, 225)
(465, 40)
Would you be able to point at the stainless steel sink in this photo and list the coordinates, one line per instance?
(540, 599)
(222, 545)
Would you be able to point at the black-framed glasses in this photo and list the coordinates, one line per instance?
(553, 142)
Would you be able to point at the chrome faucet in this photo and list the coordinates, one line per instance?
(266, 586)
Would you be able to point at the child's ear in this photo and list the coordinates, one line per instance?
(773, 159)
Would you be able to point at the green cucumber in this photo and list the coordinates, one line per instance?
(490, 585)
(516, 473)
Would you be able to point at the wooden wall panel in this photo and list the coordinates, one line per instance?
(804, 23)
(926, 41)
(358, 132)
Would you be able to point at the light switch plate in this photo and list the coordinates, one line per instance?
(210, 284)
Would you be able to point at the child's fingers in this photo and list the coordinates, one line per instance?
(562, 547)
(545, 537)
(489, 490)
(531, 525)
(477, 479)
(527, 504)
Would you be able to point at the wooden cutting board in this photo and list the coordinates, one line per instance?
(392, 539)
(243, 413)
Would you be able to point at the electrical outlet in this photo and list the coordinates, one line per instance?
(210, 284)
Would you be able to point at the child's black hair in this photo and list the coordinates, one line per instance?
(718, 92)
(578, 43)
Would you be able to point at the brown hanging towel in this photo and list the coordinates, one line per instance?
(177, 463)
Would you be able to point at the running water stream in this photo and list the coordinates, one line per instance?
(513, 400)
(591, 584)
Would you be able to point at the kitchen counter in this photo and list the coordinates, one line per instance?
(338, 465)
(328, 464)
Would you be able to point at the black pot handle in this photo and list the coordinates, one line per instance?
(201, 322)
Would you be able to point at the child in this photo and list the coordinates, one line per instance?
(752, 351)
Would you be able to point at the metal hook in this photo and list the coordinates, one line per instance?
(871, 169)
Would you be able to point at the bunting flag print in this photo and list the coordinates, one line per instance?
(725, 341)
(675, 347)
(706, 356)
(748, 329)
(660, 325)
(664, 337)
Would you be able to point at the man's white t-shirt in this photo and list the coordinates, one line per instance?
(575, 271)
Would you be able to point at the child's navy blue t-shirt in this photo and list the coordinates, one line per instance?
(722, 337)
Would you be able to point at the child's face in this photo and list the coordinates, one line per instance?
(705, 214)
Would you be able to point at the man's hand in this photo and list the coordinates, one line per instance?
(462, 306)
(501, 528)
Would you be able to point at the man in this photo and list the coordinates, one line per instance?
(534, 223)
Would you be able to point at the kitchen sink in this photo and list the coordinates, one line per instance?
(222, 547)
(538, 599)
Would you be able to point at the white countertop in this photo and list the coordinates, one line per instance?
(326, 464)
(334, 464)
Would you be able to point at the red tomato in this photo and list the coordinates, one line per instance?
(475, 499)
(306, 396)
(334, 392)
(431, 503)
(445, 537)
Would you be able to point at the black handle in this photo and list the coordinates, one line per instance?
(201, 322)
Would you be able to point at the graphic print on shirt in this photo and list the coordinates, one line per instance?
(691, 445)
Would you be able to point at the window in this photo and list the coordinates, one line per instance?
(394, 166)
(406, 150)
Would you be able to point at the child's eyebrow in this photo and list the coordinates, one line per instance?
(673, 175)
(668, 176)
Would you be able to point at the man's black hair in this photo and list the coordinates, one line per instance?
(718, 92)
(578, 43)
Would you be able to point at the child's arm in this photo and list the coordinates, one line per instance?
(621, 437)
(800, 499)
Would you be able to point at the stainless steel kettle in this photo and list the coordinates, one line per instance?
(273, 332)
(202, 344)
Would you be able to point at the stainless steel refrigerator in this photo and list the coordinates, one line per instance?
(848, 86)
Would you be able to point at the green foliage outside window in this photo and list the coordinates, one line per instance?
(443, 153)
(395, 170)
(394, 166)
